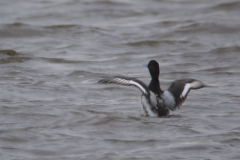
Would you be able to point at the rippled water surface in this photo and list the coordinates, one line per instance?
(54, 52)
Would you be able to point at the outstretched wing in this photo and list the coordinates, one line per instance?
(127, 81)
(178, 92)
(149, 101)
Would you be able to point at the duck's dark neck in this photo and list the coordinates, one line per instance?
(154, 86)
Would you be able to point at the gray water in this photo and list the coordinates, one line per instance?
(54, 52)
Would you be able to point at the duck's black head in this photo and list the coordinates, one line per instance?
(153, 68)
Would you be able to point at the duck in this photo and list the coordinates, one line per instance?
(155, 101)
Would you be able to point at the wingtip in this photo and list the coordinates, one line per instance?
(209, 85)
(103, 81)
(100, 81)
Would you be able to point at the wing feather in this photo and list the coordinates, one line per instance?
(180, 89)
(127, 81)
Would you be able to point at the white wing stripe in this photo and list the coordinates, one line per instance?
(138, 85)
(188, 86)
(185, 90)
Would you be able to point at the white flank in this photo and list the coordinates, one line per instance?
(169, 100)
(147, 108)
(153, 99)
(138, 85)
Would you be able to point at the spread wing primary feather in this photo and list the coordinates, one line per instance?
(127, 82)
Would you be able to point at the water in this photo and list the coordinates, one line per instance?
(54, 52)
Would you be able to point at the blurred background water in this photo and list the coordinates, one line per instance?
(54, 52)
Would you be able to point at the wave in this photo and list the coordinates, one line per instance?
(19, 30)
(227, 6)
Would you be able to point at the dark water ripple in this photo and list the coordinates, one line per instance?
(52, 53)
(227, 6)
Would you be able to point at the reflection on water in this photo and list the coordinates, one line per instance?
(52, 53)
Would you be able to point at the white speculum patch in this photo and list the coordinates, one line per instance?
(185, 90)
(188, 86)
